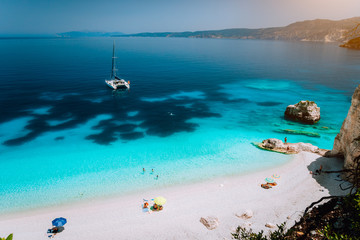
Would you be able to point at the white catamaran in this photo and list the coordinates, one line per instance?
(115, 82)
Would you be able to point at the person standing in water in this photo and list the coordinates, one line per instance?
(285, 140)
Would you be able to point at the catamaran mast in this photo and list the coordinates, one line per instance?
(113, 67)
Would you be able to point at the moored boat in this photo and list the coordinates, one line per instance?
(115, 82)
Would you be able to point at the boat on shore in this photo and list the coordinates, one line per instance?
(115, 82)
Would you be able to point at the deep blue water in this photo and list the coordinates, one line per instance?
(192, 112)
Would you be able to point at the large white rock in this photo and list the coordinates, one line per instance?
(273, 143)
(210, 222)
(303, 111)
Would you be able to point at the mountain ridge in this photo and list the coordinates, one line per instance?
(320, 30)
(76, 34)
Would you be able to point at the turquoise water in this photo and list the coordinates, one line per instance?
(193, 111)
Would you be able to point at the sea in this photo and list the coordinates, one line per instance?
(194, 111)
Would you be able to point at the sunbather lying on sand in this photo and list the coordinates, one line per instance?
(268, 185)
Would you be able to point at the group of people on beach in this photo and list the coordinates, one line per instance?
(154, 207)
(268, 185)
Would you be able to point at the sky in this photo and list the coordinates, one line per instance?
(133, 16)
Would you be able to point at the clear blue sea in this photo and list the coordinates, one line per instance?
(193, 111)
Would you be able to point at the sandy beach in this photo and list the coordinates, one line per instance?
(123, 217)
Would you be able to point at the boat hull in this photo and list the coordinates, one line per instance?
(117, 84)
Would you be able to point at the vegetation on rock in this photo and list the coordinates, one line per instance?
(298, 132)
(10, 237)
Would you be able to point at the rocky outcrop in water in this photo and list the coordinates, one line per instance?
(304, 111)
(277, 145)
(347, 142)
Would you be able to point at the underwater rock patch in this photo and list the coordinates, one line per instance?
(298, 132)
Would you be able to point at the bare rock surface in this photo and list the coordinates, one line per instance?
(277, 145)
(210, 222)
(270, 225)
(273, 143)
(304, 111)
(245, 214)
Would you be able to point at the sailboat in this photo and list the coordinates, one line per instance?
(115, 82)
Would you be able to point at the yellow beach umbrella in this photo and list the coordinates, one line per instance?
(160, 200)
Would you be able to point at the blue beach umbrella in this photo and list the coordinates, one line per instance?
(269, 180)
(58, 222)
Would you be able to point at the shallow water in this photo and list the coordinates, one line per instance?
(193, 111)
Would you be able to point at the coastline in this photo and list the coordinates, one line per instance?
(122, 217)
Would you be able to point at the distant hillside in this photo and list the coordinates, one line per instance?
(320, 30)
(76, 34)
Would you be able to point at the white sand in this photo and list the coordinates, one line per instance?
(123, 217)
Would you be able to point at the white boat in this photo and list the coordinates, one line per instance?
(115, 82)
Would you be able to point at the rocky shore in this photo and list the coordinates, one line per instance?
(276, 145)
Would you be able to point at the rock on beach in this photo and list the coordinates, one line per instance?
(210, 222)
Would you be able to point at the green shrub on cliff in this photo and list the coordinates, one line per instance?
(351, 208)
(10, 237)
(280, 234)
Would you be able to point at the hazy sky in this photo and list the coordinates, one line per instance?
(131, 16)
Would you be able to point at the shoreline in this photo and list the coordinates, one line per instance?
(223, 197)
(150, 189)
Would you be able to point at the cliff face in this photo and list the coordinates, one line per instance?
(347, 142)
(353, 44)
